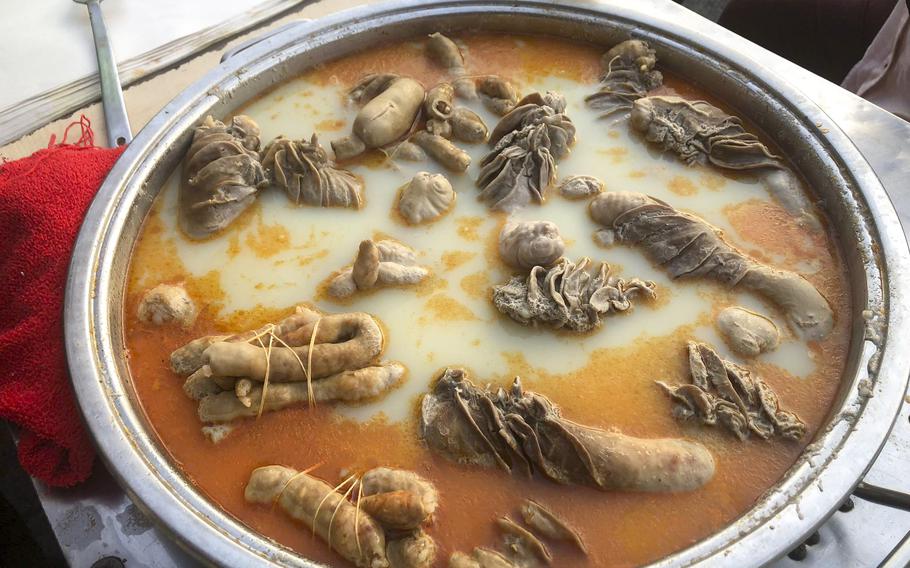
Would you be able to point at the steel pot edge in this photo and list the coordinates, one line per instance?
(814, 486)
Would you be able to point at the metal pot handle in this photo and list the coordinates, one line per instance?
(260, 38)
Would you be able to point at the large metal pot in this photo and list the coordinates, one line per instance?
(868, 228)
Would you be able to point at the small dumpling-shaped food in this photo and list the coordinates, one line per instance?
(747, 332)
(425, 198)
(580, 187)
(166, 303)
(305, 172)
(527, 244)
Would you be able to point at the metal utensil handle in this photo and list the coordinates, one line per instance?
(115, 117)
(882, 496)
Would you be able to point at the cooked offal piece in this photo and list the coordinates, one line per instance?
(415, 550)
(407, 150)
(527, 244)
(522, 547)
(354, 337)
(580, 187)
(447, 154)
(725, 393)
(306, 357)
(391, 106)
(438, 104)
(628, 75)
(221, 175)
(521, 432)
(216, 433)
(467, 126)
(445, 53)
(425, 198)
(700, 133)
(397, 510)
(527, 143)
(630, 54)
(371, 86)
(568, 295)
(463, 125)
(398, 499)
(539, 110)
(747, 332)
(401, 501)
(353, 534)
(343, 342)
(188, 358)
(305, 172)
(549, 525)
(497, 94)
(687, 246)
(167, 303)
(465, 88)
(383, 263)
(439, 127)
(347, 386)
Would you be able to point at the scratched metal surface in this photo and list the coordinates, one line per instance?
(98, 519)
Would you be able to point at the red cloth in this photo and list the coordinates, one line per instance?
(43, 199)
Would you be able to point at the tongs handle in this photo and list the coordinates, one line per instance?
(882, 496)
(115, 117)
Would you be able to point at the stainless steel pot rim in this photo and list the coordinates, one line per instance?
(801, 502)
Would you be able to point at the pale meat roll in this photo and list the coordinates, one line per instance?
(522, 432)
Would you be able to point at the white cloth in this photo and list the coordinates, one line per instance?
(882, 76)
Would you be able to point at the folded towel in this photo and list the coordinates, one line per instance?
(43, 199)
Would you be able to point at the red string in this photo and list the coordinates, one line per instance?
(86, 141)
(86, 138)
